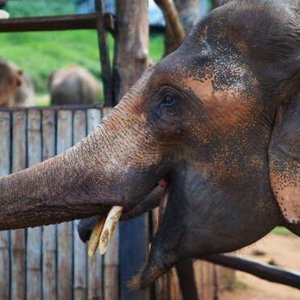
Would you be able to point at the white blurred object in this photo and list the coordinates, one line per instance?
(4, 14)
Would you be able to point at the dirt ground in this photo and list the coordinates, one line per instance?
(284, 251)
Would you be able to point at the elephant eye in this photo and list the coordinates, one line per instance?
(168, 100)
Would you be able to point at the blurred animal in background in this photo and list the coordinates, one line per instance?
(73, 85)
(9, 82)
(25, 93)
(16, 88)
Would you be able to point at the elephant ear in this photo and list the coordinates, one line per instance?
(284, 160)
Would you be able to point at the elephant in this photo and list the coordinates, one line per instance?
(210, 133)
(10, 80)
(24, 95)
(73, 85)
(16, 88)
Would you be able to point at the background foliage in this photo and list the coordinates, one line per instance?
(27, 8)
(40, 53)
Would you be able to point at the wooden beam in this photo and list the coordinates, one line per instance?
(261, 270)
(67, 22)
(54, 108)
(104, 55)
(131, 44)
(49, 232)
(18, 241)
(174, 30)
(186, 277)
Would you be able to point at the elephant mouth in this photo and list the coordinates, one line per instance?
(107, 223)
(157, 198)
(98, 230)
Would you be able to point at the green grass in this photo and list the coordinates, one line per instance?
(234, 286)
(156, 46)
(26, 8)
(279, 230)
(39, 53)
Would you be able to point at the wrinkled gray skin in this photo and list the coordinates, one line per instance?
(73, 85)
(202, 119)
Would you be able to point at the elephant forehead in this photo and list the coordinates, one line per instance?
(225, 109)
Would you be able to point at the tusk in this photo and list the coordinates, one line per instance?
(95, 237)
(109, 227)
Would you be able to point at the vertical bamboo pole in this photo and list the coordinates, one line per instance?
(175, 291)
(49, 260)
(80, 253)
(94, 263)
(34, 235)
(64, 230)
(205, 279)
(186, 279)
(104, 55)
(131, 44)
(111, 272)
(5, 119)
(163, 283)
(18, 236)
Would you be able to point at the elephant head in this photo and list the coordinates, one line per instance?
(10, 80)
(202, 120)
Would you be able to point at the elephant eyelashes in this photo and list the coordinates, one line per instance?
(168, 100)
(166, 104)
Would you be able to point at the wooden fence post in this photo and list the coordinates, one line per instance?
(5, 150)
(131, 44)
(34, 235)
(49, 232)
(95, 289)
(80, 253)
(104, 54)
(64, 230)
(18, 274)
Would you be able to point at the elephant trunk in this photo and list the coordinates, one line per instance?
(73, 185)
(43, 194)
(112, 166)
